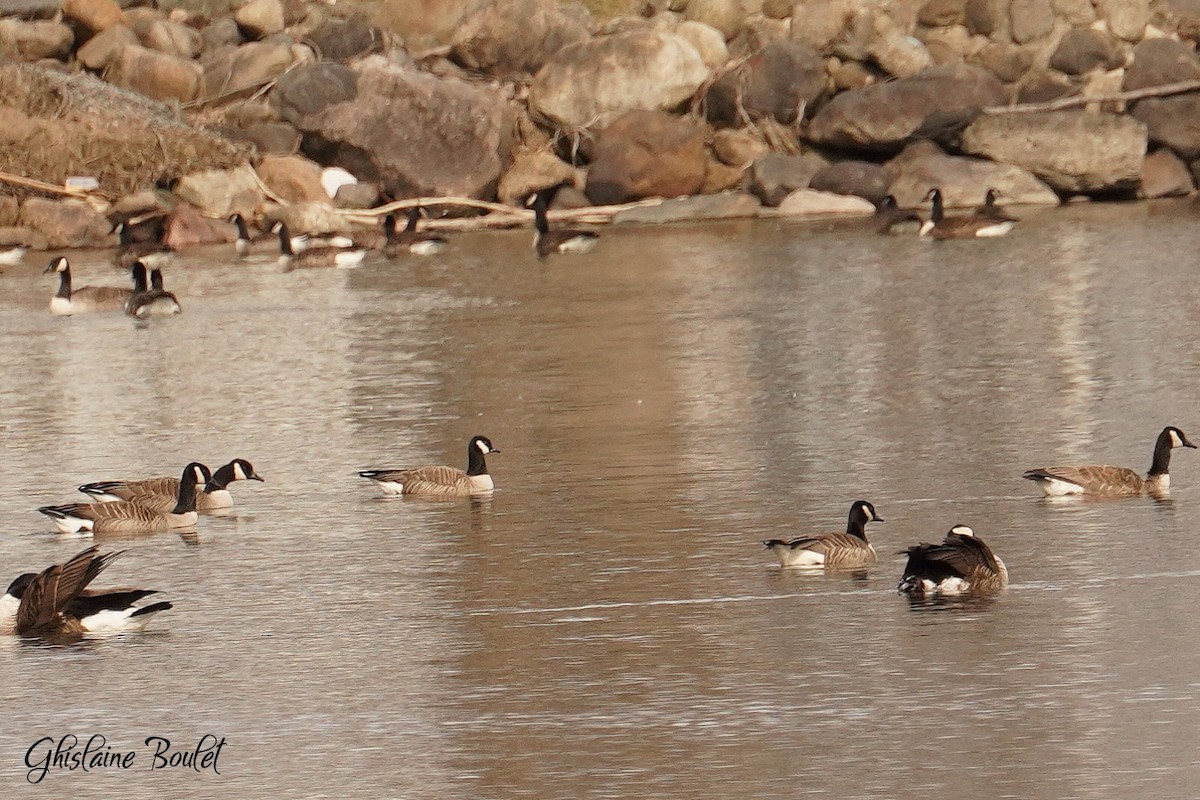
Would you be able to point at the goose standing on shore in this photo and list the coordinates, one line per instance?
(939, 226)
(561, 240)
(126, 517)
(1109, 481)
(961, 564)
(849, 550)
(85, 299)
(440, 481)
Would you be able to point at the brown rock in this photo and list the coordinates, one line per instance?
(778, 9)
(1165, 175)
(1006, 61)
(774, 176)
(33, 41)
(517, 37)
(185, 227)
(779, 82)
(813, 203)
(646, 154)
(340, 39)
(852, 75)
(66, 224)
(1030, 20)
(1160, 61)
(860, 178)
(19, 236)
(244, 70)
(1173, 122)
(275, 138)
(156, 75)
(963, 181)
(531, 172)
(295, 179)
(172, 38)
(102, 47)
(727, 16)
(260, 18)
(94, 15)
(1127, 19)
(720, 177)
(1179, 16)
(357, 195)
(1077, 13)
(10, 209)
(820, 24)
(986, 16)
(1084, 50)
(709, 42)
(939, 13)
(1044, 86)
(738, 148)
(219, 193)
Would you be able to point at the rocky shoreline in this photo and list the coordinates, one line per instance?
(326, 116)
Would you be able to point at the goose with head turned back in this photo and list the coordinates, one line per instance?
(559, 240)
(440, 481)
(126, 517)
(56, 600)
(160, 493)
(849, 550)
(85, 299)
(1110, 481)
(961, 564)
(939, 226)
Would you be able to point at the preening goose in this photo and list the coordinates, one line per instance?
(328, 256)
(411, 240)
(895, 221)
(939, 226)
(961, 564)
(85, 299)
(161, 494)
(849, 550)
(56, 601)
(126, 517)
(561, 240)
(1110, 481)
(154, 301)
(152, 254)
(989, 209)
(440, 481)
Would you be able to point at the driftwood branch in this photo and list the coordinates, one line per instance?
(499, 216)
(1080, 100)
(42, 186)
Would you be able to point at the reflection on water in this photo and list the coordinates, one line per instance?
(607, 624)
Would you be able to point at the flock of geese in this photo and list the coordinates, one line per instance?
(962, 563)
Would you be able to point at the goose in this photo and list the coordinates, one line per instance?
(152, 302)
(1105, 480)
(961, 564)
(11, 256)
(245, 242)
(307, 241)
(989, 209)
(893, 220)
(159, 494)
(939, 226)
(152, 254)
(127, 517)
(325, 256)
(440, 481)
(410, 240)
(85, 299)
(849, 550)
(563, 240)
(56, 601)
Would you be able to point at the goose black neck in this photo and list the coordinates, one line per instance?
(285, 240)
(475, 462)
(938, 212)
(124, 235)
(541, 221)
(857, 525)
(221, 478)
(1162, 455)
(243, 231)
(414, 214)
(64, 284)
(156, 280)
(139, 277)
(187, 494)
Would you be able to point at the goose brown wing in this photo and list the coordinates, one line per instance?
(825, 542)
(56, 586)
(119, 516)
(434, 481)
(160, 503)
(1097, 478)
(127, 490)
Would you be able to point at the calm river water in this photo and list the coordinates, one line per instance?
(608, 625)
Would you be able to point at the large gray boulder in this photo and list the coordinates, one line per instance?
(591, 83)
(779, 82)
(1072, 151)
(512, 38)
(1173, 122)
(883, 116)
(647, 154)
(411, 132)
(1161, 61)
(963, 181)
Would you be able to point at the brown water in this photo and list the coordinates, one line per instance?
(608, 625)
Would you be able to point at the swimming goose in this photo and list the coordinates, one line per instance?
(245, 242)
(152, 302)
(152, 254)
(327, 256)
(127, 517)
(1105, 480)
(989, 209)
(939, 226)
(160, 494)
(410, 240)
(11, 256)
(563, 240)
(67, 301)
(56, 602)
(848, 550)
(961, 564)
(891, 219)
(440, 481)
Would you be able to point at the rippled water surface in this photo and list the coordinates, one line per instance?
(608, 624)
